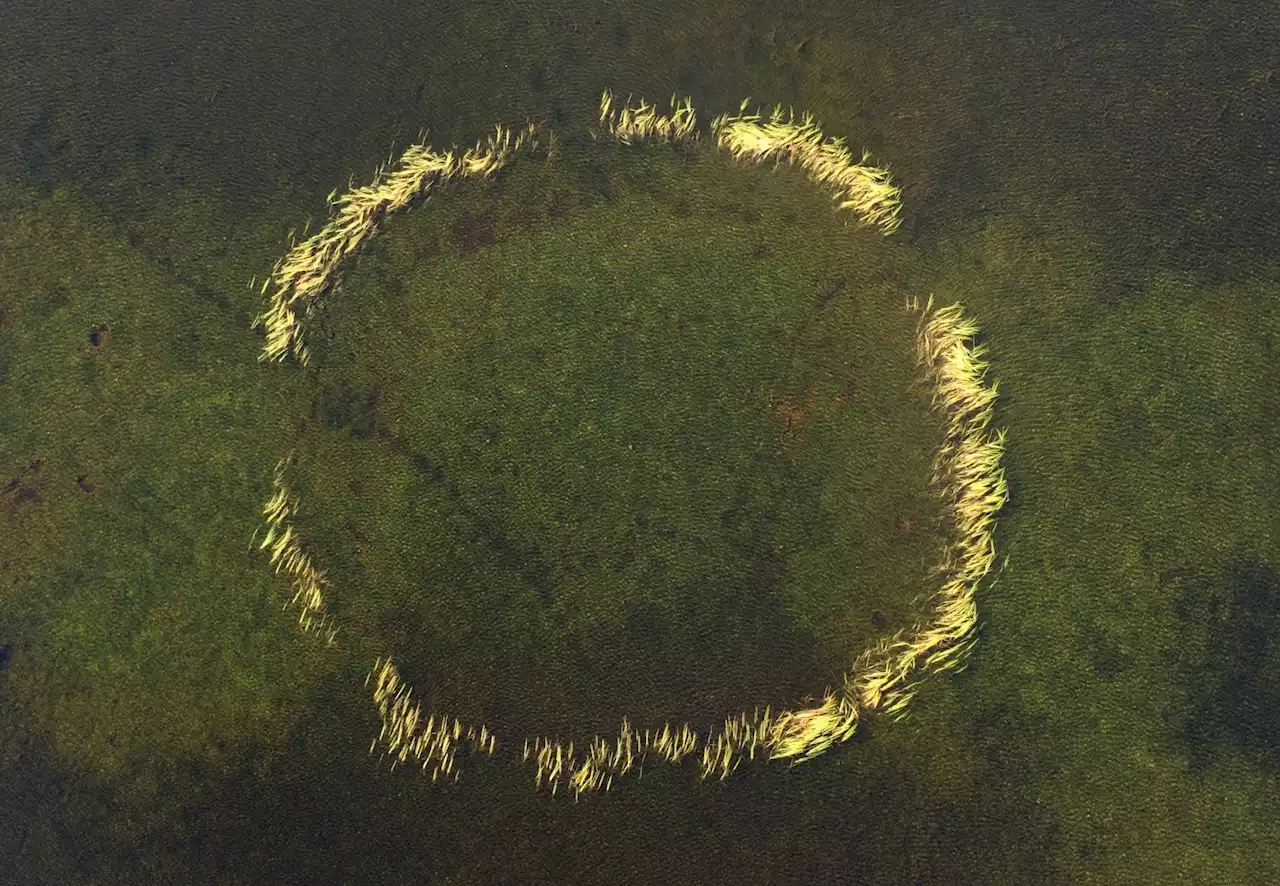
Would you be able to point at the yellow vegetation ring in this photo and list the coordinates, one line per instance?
(967, 469)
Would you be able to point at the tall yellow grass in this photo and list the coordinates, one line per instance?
(311, 267)
(408, 735)
(632, 123)
(867, 190)
(287, 555)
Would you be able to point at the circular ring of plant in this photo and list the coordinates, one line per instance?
(967, 468)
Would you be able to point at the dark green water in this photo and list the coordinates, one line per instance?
(636, 433)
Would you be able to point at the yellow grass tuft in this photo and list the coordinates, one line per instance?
(310, 268)
(406, 735)
(632, 123)
(867, 190)
(288, 556)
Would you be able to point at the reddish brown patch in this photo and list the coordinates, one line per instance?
(473, 232)
(25, 494)
(794, 416)
(24, 488)
(353, 529)
(24, 522)
(428, 249)
(522, 220)
(849, 390)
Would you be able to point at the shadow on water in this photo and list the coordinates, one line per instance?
(1228, 660)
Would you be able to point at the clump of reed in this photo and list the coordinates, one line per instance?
(867, 190)
(310, 267)
(742, 737)
(287, 555)
(632, 123)
(804, 734)
(407, 735)
(595, 766)
(969, 477)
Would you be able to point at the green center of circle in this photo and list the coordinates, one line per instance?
(636, 433)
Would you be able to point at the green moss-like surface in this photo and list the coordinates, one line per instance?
(1094, 185)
